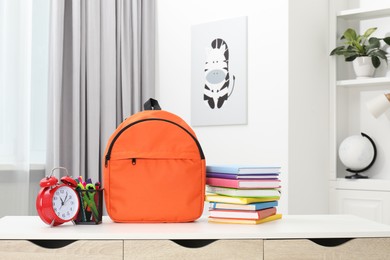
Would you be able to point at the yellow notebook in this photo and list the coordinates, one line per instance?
(237, 200)
(244, 221)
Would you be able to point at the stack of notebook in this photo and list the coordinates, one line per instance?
(242, 194)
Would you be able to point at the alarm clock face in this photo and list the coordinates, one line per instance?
(65, 203)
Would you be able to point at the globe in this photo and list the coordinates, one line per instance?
(356, 152)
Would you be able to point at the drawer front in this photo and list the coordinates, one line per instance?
(219, 249)
(80, 249)
(355, 249)
(373, 205)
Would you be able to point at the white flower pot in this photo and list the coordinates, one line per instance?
(363, 67)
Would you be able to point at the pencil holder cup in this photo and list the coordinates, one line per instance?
(91, 207)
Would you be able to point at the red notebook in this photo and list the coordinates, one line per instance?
(250, 184)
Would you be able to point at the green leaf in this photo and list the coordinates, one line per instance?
(350, 34)
(382, 53)
(378, 53)
(387, 40)
(351, 58)
(337, 50)
(369, 31)
(375, 61)
(374, 43)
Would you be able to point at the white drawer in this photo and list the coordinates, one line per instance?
(219, 249)
(355, 249)
(80, 249)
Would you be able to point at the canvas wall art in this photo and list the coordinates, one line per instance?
(219, 73)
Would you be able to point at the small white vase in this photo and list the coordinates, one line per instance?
(363, 67)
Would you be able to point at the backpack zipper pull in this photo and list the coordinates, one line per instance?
(106, 160)
(133, 161)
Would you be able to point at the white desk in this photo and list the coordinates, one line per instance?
(292, 226)
(274, 240)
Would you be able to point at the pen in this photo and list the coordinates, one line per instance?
(83, 215)
(90, 192)
(97, 200)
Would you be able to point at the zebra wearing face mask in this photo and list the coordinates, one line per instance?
(218, 87)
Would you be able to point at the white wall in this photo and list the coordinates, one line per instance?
(308, 107)
(264, 138)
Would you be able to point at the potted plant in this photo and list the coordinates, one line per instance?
(363, 50)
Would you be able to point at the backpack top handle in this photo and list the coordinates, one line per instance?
(152, 104)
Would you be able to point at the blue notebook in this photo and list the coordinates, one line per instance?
(252, 206)
(262, 176)
(242, 169)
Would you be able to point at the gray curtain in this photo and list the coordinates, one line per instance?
(101, 70)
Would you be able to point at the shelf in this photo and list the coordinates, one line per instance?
(362, 184)
(363, 82)
(364, 13)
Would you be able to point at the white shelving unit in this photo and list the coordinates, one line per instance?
(364, 82)
(363, 13)
(369, 198)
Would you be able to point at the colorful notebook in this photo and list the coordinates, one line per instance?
(237, 200)
(243, 183)
(244, 221)
(256, 193)
(242, 169)
(271, 176)
(251, 206)
(242, 214)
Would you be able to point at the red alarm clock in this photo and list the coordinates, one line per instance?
(57, 203)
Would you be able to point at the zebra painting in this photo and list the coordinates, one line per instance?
(218, 86)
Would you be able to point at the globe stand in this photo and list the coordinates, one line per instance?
(357, 175)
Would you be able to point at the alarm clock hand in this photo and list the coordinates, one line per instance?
(65, 200)
(62, 202)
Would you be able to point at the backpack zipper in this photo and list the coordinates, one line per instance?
(108, 155)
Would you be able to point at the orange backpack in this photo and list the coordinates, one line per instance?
(154, 169)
